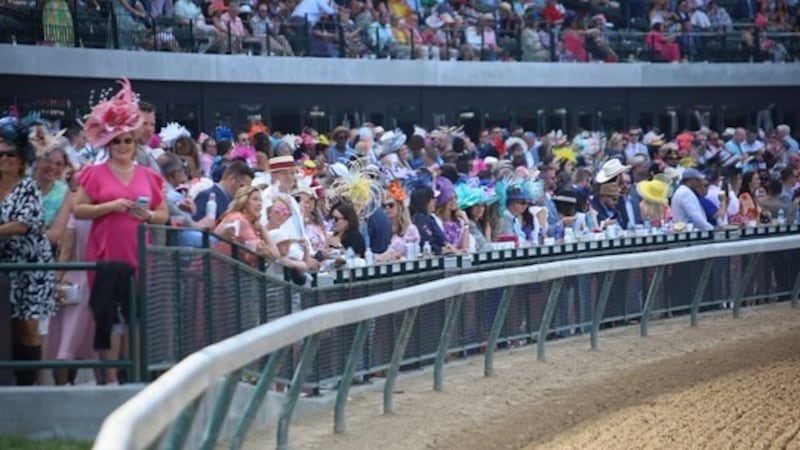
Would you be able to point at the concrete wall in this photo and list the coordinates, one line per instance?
(95, 63)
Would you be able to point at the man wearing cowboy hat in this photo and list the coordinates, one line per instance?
(340, 151)
(605, 203)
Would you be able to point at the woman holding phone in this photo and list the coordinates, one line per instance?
(118, 195)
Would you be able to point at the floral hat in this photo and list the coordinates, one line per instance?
(113, 117)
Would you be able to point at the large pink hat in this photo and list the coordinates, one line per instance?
(113, 117)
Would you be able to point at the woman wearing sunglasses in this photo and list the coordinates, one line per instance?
(117, 196)
(403, 231)
(22, 239)
(345, 229)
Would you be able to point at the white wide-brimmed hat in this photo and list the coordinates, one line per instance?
(610, 169)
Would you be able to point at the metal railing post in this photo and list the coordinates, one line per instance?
(230, 39)
(114, 29)
(600, 308)
(741, 285)
(494, 333)
(176, 438)
(549, 310)
(552, 43)
(397, 357)
(701, 288)
(306, 361)
(340, 36)
(257, 399)
(136, 373)
(176, 302)
(142, 302)
(453, 309)
(220, 411)
(796, 292)
(339, 418)
(655, 283)
(207, 293)
(75, 28)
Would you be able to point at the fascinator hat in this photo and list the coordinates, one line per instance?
(108, 119)
(171, 133)
(443, 188)
(17, 132)
(359, 187)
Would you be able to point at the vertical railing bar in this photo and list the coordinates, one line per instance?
(177, 309)
(176, 438)
(142, 301)
(220, 411)
(259, 394)
(339, 419)
(397, 357)
(307, 358)
(549, 310)
(741, 286)
(494, 333)
(648, 302)
(600, 308)
(207, 293)
(701, 288)
(453, 309)
(796, 292)
(133, 334)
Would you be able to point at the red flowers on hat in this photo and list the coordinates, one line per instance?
(113, 117)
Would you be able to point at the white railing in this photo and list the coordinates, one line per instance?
(141, 421)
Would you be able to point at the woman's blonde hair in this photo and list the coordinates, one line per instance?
(239, 202)
(403, 216)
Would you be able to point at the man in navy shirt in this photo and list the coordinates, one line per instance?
(238, 174)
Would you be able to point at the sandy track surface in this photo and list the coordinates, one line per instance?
(577, 394)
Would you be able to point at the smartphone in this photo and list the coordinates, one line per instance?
(142, 203)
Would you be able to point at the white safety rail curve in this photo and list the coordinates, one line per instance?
(141, 420)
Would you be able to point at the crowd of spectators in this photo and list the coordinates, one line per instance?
(528, 30)
(314, 201)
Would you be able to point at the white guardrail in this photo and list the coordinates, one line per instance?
(139, 422)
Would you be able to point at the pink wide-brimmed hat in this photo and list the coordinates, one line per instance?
(113, 117)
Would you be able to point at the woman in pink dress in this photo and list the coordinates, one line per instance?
(403, 231)
(118, 195)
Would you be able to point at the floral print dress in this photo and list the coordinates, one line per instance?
(31, 294)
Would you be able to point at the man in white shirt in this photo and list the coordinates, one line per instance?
(685, 205)
(634, 147)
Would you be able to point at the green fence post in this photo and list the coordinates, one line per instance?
(549, 310)
(600, 309)
(207, 293)
(494, 333)
(176, 438)
(397, 357)
(701, 289)
(133, 334)
(347, 376)
(306, 361)
(741, 286)
(220, 411)
(648, 302)
(796, 292)
(142, 299)
(259, 394)
(176, 302)
(453, 309)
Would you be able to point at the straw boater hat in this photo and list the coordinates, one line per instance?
(610, 169)
(285, 162)
(653, 191)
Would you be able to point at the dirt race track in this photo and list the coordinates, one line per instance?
(726, 384)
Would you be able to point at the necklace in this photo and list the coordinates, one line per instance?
(119, 169)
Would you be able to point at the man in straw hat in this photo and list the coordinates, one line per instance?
(605, 203)
(340, 151)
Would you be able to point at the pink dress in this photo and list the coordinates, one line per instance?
(398, 243)
(71, 330)
(113, 236)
